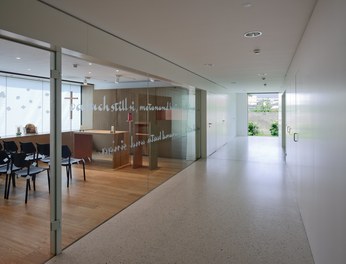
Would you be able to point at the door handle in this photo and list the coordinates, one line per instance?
(295, 137)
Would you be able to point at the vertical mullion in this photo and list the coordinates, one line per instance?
(55, 152)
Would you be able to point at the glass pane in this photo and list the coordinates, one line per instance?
(135, 134)
(25, 234)
(263, 114)
(3, 95)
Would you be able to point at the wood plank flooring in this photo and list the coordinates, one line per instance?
(24, 228)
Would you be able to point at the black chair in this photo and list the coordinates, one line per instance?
(44, 151)
(30, 150)
(10, 146)
(67, 162)
(5, 161)
(26, 170)
(1, 148)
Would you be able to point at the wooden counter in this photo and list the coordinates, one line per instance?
(66, 137)
(83, 145)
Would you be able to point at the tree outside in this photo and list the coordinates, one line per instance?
(263, 110)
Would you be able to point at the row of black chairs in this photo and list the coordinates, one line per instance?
(24, 163)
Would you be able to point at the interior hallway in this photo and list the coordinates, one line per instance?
(237, 206)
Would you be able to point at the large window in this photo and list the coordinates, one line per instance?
(27, 101)
(263, 114)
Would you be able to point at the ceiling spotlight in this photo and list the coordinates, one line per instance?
(151, 80)
(247, 5)
(256, 51)
(85, 81)
(117, 78)
(90, 64)
(262, 74)
(253, 34)
(18, 58)
(75, 65)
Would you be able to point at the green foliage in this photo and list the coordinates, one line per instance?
(253, 129)
(274, 129)
(264, 106)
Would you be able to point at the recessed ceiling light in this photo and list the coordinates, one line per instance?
(116, 70)
(152, 80)
(247, 5)
(90, 63)
(18, 58)
(90, 72)
(253, 34)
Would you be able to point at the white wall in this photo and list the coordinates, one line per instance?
(241, 115)
(316, 95)
(217, 121)
(231, 116)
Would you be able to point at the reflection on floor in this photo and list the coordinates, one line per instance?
(238, 206)
(24, 232)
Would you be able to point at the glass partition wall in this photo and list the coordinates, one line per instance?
(128, 133)
(24, 124)
(135, 133)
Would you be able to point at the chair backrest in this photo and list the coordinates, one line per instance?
(10, 146)
(4, 158)
(43, 149)
(0, 146)
(18, 160)
(65, 152)
(27, 147)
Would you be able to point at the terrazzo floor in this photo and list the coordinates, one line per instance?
(238, 206)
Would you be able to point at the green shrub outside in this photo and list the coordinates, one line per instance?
(274, 129)
(253, 129)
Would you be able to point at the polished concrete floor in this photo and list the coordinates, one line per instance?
(238, 206)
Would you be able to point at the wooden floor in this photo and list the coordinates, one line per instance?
(24, 228)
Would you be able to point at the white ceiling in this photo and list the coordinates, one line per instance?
(16, 58)
(195, 33)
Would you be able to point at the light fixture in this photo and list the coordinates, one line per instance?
(90, 64)
(86, 80)
(247, 4)
(151, 80)
(18, 58)
(117, 78)
(252, 34)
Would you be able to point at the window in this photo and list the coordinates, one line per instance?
(24, 101)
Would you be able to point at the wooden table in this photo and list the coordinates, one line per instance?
(119, 147)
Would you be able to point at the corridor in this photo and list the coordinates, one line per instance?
(238, 206)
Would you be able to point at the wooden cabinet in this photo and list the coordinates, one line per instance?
(83, 142)
(83, 146)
